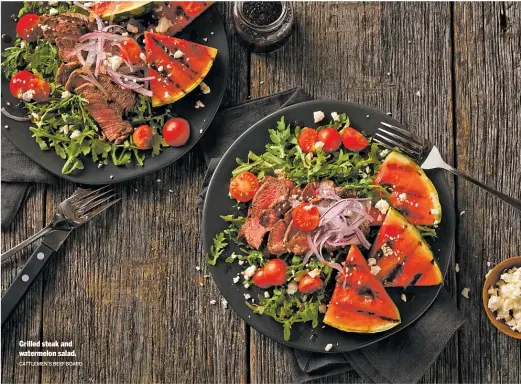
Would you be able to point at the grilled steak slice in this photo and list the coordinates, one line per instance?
(125, 99)
(253, 232)
(276, 244)
(298, 243)
(310, 191)
(268, 218)
(106, 114)
(65, 70)
(69, 24)
(66, 47)
(81, 21)
(272, 194)
(76, 80)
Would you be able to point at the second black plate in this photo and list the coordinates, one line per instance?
(303, 336)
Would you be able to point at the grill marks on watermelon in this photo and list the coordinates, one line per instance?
(404, 258)
(360, 302)
(175, 77)
(412, 192)
(182, 13)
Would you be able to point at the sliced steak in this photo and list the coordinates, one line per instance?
(272, 194)
(105, 113)
(69, 24)
(66, 47)
(276, 244)
(310, 191)
(81, 21)
(298, 243)
(268, 218)
(124, 98)
(65, 70)
(76, 80)
(253, 232)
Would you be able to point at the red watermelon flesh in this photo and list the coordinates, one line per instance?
(412, 192)
(360, 302)
(175, 77)
(403, 256)
(181, 13)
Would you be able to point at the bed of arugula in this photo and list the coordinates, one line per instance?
(54, 120)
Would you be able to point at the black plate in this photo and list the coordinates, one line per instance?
(199, 119)
(218, 203)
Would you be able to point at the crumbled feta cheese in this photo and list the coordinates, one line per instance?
(402, 197)
(66, 95)
(368, 170)
(75, 134)
(233, 255)
(53, 3)
(115, 62)
(205, 38)
(382, 206)
(224, 303)
(163, 25)
(249, 272)
(318, 116)
(457, 268)
(28, 95)
(403, 297)
(488, 264)
(375, 269)
(205, 89)
(387, 251)
(384, 153)
(124, 34)
(435, 211)
(505, 298)
(167, 95)
(236, 279)
(292, 288)
(328, 347)
(178, 54)
(266, 294)
(35, 116)
(465, 292)
(247, 296)
(199, 104)
(314, 273)
(53, 11)
(142, 56)
(88, 5)
(213, 302)
(371, 261)
(44, 28)
(197, 268)
(160, 68)
(22, 44)
(335, 116)
(65, 129)
(241, 262)
(307, 207)
(319, 145)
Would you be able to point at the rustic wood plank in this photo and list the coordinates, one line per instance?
(487, 57)
(25, 323)
(375, 54)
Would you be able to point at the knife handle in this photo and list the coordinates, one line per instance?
(31, 270)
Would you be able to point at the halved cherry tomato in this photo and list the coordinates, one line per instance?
(40, 88)
(354, 140)
(142, 136)
(307, 139)
(131, 51)
(20, 83)
(331, 139)
(244, 186)
(27, 27)
(275, 271)
(260, 280)
(310, 284)
(305, 217)
(176, 131)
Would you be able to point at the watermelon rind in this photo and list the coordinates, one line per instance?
(413, 194)
(120, 10)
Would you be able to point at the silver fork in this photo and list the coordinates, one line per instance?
(82, 206)
(423, 152)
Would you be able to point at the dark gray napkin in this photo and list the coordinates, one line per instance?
(402, 358)
(18, 175)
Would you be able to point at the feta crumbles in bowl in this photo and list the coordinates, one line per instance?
(502, 296)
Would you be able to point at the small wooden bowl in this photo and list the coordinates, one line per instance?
(492, 279)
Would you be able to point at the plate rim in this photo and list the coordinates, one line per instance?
(152, 168)
(205, 219)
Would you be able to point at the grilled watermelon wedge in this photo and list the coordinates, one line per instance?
(360, 303)
(181, 13)
(177, 65)
(403, 256)
(120, 9)
(412, 192)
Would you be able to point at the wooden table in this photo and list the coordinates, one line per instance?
(125, 288)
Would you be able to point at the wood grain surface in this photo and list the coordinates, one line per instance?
(125, 288)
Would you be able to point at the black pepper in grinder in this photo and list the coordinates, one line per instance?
(263, 26)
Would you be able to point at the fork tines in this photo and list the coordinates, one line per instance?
(395, 137)
(95, 201)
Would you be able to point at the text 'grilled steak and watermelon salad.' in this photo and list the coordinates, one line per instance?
(97, 77)
(309, 206)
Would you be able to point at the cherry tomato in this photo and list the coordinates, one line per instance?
(142, 136)
(131, 51)
(27, 27)
(310, 284)
(307, 139)
(354, 140)
(305, 217)
(275, 271)
(20, 83)
(176, 132)
(331, 139)
(40, 88)
(244, 186)
(260, 280)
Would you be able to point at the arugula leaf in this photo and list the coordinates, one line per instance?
(426, 231)
(219, 244)
(239, 220)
